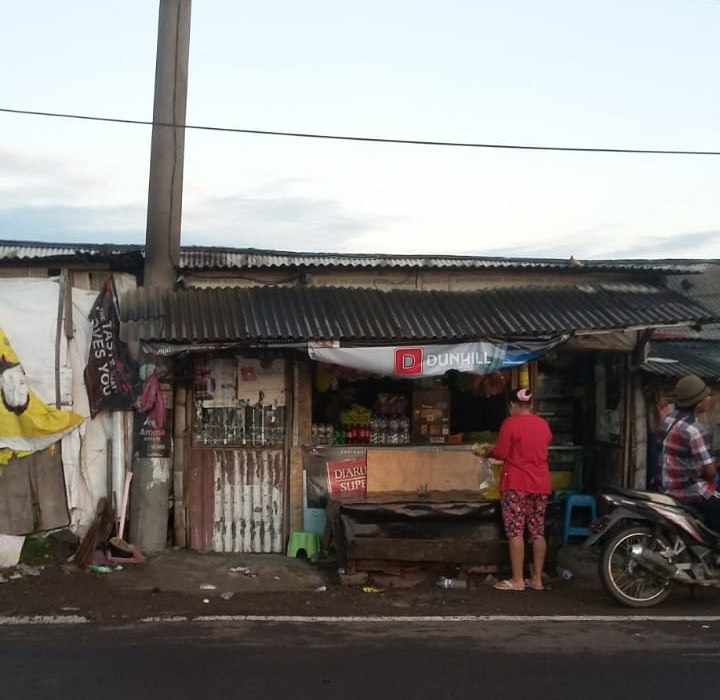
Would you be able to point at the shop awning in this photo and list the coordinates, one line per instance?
(413, 362)
(289, 315)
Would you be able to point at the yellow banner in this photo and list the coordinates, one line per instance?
(26, 423)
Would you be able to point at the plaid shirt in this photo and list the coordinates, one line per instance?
(685, 451)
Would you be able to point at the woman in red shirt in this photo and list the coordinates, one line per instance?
(522, 444)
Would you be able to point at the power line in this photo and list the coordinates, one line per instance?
(366, 139)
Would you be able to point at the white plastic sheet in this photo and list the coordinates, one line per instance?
(28, 315)
(10, 549)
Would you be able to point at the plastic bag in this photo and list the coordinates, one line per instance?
(486, 476)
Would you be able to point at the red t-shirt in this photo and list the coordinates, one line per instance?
(522, 444)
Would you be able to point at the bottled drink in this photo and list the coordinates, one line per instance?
(565, 574)
(445, 582)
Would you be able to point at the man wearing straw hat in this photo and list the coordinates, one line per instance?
(689, 471)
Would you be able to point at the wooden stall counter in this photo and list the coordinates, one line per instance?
(417, 470)
(423, 507)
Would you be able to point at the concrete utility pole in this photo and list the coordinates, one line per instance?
(167, 154)
(152, 445)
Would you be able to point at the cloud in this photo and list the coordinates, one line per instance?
(691, 244)
(52, 200)
(37, 181)
(601, 242)
(306, 224)
(57, 224)
(683, 244)
(281, 222)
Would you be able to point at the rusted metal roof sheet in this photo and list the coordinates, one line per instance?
(675, 358)
(287, 315)
(216, 258)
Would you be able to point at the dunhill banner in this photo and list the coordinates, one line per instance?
(409, 362)
(110, 374)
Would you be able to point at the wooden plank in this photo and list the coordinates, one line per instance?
(200, 501)
(295, 516)
(302, 415)
(48, 485)
(421, 470)
(16, 512)
(392, 568)
(181, 441)
(436, 550)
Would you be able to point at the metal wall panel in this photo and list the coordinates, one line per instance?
(244, 509)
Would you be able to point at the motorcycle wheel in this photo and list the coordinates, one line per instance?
(623, 578)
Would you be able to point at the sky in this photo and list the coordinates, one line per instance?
(618, 74)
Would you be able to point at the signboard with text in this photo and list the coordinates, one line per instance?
(347, 478)
(413, 362)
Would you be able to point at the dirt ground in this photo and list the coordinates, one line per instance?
(185, 583)
(67, 591)
(188, 584)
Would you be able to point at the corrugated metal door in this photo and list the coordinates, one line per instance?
(237, 500)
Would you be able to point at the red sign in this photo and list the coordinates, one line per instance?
(347, 478)
(408, 361)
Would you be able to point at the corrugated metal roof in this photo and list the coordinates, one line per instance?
(26, 250)
(223, 258)
(675, 358)
(283, 314)
(703, 288)
(217, 258)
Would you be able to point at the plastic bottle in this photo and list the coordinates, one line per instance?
(565, 574)
(445, 582)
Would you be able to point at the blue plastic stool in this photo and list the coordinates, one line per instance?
(307, 542)
(577, 501)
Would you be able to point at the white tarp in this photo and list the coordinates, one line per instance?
(28, 315)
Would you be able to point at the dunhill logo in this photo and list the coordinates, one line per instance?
(408, 361)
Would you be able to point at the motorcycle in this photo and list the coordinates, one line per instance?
(649, 541)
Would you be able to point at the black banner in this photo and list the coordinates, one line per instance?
(110, 375)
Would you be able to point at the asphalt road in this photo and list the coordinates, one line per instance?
(592, 660)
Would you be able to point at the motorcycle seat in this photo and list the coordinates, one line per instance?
(654, 496)
(662, 499)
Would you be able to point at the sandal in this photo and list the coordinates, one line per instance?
(529, 584)
(508, 585)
